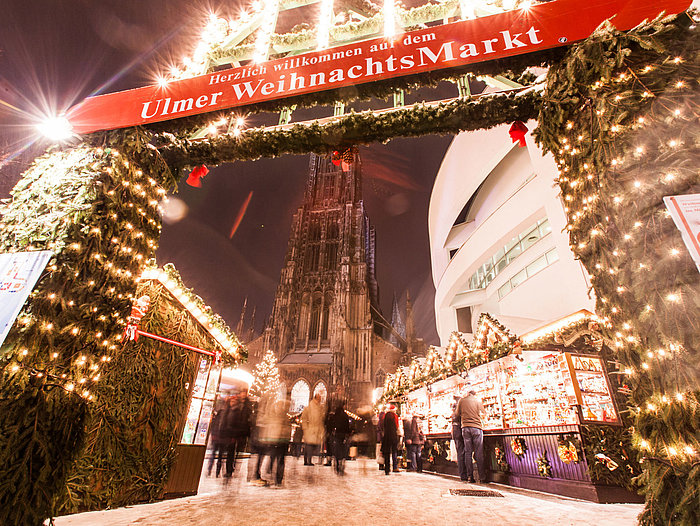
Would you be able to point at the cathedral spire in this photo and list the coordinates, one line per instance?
(241, 321)
(396, 322)
(410, 322)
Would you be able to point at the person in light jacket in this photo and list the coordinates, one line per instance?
(312, 424)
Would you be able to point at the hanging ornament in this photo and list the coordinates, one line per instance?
(544, 468)
(609, 463)
(517, 132)
(336, 158)
(518, 446)
(349, 155)
(138, 311)
(194, 179)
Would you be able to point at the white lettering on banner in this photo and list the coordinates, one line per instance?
(423, 56)
(179, 105)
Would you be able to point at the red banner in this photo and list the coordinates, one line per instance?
(516, 32)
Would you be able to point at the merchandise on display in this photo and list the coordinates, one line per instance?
(536, 389)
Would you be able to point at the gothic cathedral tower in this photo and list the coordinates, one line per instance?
(326, 327)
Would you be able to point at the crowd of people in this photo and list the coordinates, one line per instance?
(324, 434)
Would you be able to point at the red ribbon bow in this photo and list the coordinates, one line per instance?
(517, 132)
(194, 179)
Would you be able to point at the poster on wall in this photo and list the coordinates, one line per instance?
(19, 272)
(685, 211)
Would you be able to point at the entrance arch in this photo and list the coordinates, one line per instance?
(91, 282)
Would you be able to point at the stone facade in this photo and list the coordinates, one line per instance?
(326, 325)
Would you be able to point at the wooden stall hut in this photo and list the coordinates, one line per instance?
(145, 441)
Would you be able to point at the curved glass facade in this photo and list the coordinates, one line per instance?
(493, 266)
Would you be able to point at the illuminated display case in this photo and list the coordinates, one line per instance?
(202, 402)
(536, 389)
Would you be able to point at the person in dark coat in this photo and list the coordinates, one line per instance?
(414, 445)
(340, 431)
(218, 445)
(390, 439)
(459, 441)
(239, 429)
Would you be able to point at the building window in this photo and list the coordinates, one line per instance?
(533, 268)
(500, 259)
(464, 320)
(315, 319)
(299, 396)
(379, 378)
(321, 390)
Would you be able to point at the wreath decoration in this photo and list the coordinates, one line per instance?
(518, 446)
(544, 468)
(569, 448)
(501, 459)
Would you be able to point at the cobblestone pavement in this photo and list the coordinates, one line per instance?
(316, 496)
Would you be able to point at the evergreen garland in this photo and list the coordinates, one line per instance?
(98, 213)
(352, 129)
(620, 115)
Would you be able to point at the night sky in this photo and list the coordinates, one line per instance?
(53, 53)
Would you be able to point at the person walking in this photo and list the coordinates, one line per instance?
(379, 428)
(458, 440)
(414, 445)
(240, 418)
(312, 418)
(340, 431)
(218, 443)
(276, 436)
(390, 439)
(470, 410)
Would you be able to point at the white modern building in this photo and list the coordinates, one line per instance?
(497, 237)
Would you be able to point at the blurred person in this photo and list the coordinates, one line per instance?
(414, 444)
(340, 431)
(470, 410)
(297, 435)
(390, 439)
(258, 445)
(240, 418)
(458, 440)
(218, 444)
(328, 434)
(276, 435)
(312, 424)
(379, 423)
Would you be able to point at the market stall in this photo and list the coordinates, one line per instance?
(541, 407)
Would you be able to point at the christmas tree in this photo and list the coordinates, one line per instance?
(267, 377)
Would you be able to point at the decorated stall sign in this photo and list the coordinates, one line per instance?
(515, 32)
(685, 211)
(19, 272)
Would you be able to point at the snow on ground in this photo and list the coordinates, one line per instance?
(314, 495)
